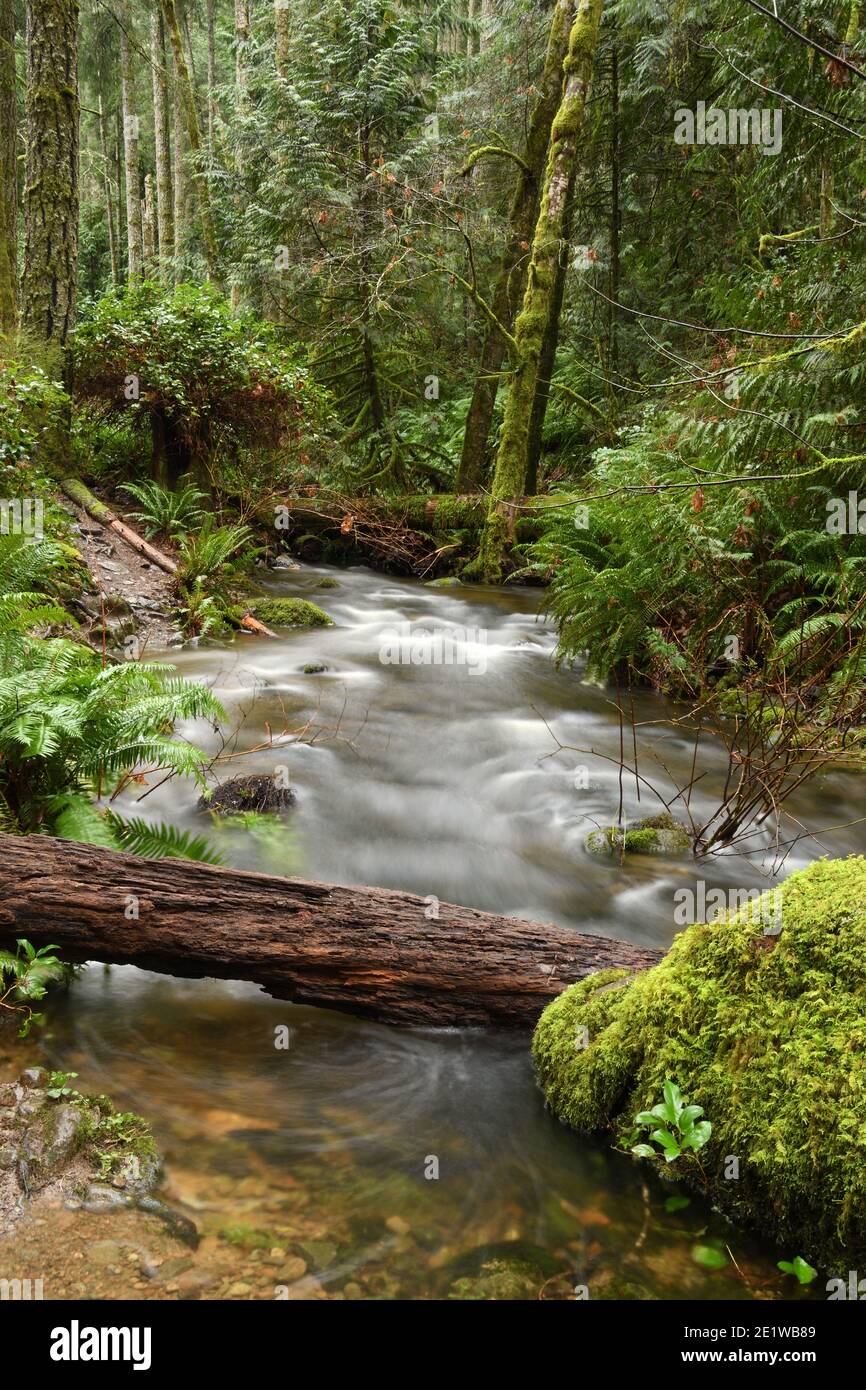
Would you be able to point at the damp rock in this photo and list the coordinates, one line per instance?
(655, 835)
(242, 794)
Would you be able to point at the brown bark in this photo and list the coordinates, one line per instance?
(51, 178)
(8, 171)
(368, 951)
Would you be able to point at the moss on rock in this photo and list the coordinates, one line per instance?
(766, 1032)
(283, 612)
(655, 835)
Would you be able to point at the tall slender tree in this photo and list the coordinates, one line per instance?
(186, 97)
(51, 177)
(534, 319)
(131, 161)
(8, 170)
(162, 146)
(511, 278)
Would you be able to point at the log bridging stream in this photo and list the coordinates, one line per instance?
(386, 955)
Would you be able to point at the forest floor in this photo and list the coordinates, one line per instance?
(126, 587)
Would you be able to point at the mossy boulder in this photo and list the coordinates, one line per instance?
(654, 835)
(767, 1032)
(282, 612)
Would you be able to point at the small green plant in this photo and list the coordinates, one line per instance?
(25, 976)
(58, 1084)
(801, 1270)
(205, 556)
(675, 1127)
(164, 512)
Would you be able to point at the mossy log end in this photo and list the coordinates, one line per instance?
(373, 952)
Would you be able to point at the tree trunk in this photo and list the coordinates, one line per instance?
(181, 185)
(8, 171)
(242, 39)
(281, 37)
(512, 457)
(106, 190)
(547, 361)
(211, 75)
(162, 148)
(148, 226)
(131, 163)
(51, 178)
(193, 134)
(511, 280)
(368, 951)
(84, 498)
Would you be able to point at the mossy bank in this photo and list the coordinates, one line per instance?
(766, 1030)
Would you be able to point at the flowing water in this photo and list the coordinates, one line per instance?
(379, 1162)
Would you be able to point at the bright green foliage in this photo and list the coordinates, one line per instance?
(25, 976)
(32, 405)
(802, 1271)
(675, 1127)
(205, 554)
(167, 512)
(70, 725)
(765, 1033)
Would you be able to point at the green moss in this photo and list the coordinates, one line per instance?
(283, 612)
(655, 835)
(119, 1141)
(767, 1033)
(247, 1237)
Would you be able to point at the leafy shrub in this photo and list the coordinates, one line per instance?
(203, 379)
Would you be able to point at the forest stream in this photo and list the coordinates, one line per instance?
(366, 1161)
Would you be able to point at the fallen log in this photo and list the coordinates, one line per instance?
(374, 952)
(84, 498)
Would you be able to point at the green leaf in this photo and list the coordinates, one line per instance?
(677, 1203)
(802, 1271)
(709, 1256)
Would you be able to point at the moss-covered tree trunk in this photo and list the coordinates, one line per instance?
(186, 97)
(131, 161)
(547, 361)
(532, 323)
(162, 147)
(281, 37)
(8, 171)
(511, 278)
(51, 177)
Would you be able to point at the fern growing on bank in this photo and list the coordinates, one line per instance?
(71, 728)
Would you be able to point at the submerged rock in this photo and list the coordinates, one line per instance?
(766, 1030)
(239, 795)
(654, 835)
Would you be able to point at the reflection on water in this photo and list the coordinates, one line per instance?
(376, 1162)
